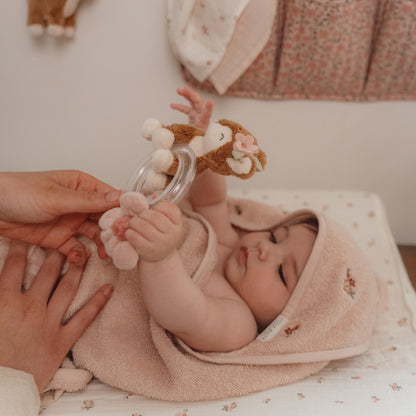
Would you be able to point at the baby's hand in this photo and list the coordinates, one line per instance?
(199, 113)
(156, 233)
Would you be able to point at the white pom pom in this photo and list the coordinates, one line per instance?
(133, 203)
(36, 30)
(107, 219)
(163, 138)
(125, 257)
(109, 240)
(155, 181)
(149, 126)
(55, 30)
(69, 32)
(162, 160)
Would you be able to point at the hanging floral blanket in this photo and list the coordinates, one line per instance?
(350, 50)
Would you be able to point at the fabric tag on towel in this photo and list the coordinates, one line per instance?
(273, 329)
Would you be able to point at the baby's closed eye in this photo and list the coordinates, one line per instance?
(281, 274)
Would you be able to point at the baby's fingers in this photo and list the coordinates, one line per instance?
(192, 96)
(182, 108)
(147, 228)
(142, 243)
(160, 218)
(171, 211)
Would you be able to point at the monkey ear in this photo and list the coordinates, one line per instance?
(240, 166)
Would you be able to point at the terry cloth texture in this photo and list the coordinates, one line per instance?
(331, 314)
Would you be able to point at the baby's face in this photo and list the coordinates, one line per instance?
(265, 266)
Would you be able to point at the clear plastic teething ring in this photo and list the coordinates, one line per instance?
(180, 183)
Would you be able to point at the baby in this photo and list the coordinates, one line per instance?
(254, 275)
(228, 298)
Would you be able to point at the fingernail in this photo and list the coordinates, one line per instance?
(113, 196)
(79, 255)
(108, 291)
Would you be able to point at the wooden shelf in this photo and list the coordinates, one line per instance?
(408, 254)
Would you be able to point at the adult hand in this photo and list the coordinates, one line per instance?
(199, 112)
(48, 208)
(32, 336)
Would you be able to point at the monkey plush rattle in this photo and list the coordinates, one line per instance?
(225, 147)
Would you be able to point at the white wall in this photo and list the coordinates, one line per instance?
(80, 104)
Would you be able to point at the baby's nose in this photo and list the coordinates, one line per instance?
(264, 250)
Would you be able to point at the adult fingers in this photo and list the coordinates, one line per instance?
(12, 274)
(65, 293)
(102, 253)
(91, 230)
(74, 328)
(74, 250)
(46, 277)
(76, 179)
(68, 201)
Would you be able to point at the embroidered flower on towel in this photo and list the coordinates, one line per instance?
(349, 284)
(290, 331)
(245, 144)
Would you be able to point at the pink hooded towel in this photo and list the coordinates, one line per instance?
(330, 315)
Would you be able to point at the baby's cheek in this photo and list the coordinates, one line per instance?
(119, 227)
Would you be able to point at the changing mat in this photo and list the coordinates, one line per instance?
(381, 381)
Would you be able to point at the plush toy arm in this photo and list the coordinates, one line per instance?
(70, 7)
(35, 17)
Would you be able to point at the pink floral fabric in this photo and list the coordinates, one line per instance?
(353, 50)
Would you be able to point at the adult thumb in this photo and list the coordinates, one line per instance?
(76, 201)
